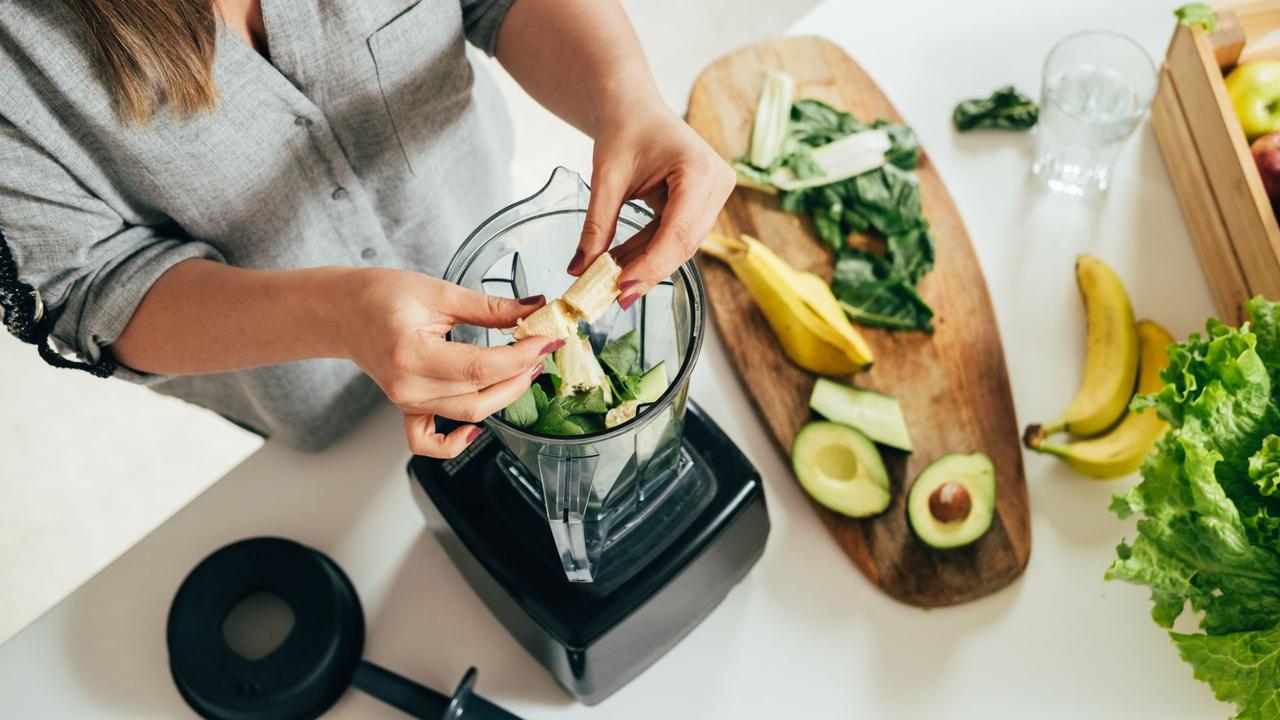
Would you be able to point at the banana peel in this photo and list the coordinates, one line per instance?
(1121, 450)
(805, 316)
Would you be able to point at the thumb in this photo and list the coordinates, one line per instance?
(602, 218)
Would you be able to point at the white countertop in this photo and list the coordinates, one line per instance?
(804, 635)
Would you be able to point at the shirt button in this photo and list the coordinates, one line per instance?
(301, 121)
(340, 194)
(368, 253)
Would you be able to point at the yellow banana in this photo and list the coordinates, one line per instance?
(788, 303)
(1122, 450)
(1111, 354)
(586, 299)
(816, 293)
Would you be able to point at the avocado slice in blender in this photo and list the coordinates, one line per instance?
(951, 503)
(877, 415)
(840, 468)
(652, 384)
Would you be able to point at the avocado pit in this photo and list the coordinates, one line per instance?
(950, 502)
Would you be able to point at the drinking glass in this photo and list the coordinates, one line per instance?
(1095, 88)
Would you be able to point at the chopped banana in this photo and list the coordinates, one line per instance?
(592, 293)
(556, 319)
(579, 369)
(624, 412)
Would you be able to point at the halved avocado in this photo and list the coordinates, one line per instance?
(951, 503)
(841, 469)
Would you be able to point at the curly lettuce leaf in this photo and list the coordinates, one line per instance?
(1209, 506)
(1242, 668)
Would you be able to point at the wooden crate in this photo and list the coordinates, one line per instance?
(1226, 208)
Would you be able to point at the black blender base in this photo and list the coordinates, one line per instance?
(595, 643)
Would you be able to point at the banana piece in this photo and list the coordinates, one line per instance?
(585, 300)
(595, 290)
(624, 412)
(806, 335)
(580, 370)
(556, 319)
(1111, 355)
(1122, 450)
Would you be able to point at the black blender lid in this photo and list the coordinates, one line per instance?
(315, 664)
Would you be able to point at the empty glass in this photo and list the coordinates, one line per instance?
(593, 487)
(1095, 88)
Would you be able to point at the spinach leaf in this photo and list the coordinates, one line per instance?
(524, 411)
(1199, 13)
(912, 254)
(551, 371)
(554, 420)
(889, 197)
(751, 175)
(904, 148)
(588, 423)
(622, 355)
(855, 270)
(590, 401)
(885, 303)
(1005, 108)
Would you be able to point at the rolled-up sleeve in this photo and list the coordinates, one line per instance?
(481, 20)
(90, 268)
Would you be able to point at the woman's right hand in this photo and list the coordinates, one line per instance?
(394, 330)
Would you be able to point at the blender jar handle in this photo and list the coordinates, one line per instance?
(566, 488)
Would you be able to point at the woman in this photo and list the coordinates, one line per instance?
(244, 203)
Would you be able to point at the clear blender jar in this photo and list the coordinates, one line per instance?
(595, 488)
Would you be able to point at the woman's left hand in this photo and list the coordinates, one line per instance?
(651, 155)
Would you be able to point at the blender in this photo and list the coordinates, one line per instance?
(600, 551)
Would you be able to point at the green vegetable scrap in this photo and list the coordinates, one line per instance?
(1193, 14)
(873, 288)
(1006, 108)
(548, 409)
(1209, 533)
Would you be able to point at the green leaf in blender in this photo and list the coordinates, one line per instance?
(585, 401)
(622, 355)
(1006, 108)
(551, 371)
(555, 420)
(589, 423)
(524, 411)
(1193, 14)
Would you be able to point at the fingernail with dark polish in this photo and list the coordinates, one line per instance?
(576, 261)
(475, 433)
(552, 347)
(535, 371)
(532, 300)
(626, 302)
(628, 284)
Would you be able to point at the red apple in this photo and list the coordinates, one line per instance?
(1266, 153)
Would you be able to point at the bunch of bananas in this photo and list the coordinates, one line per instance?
(799, 306)
(1119, 356)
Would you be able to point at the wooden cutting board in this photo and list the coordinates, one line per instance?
(953, 385)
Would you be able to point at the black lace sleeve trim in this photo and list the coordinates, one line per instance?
(22, 312)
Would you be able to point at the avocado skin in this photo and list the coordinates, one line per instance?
(977, 475)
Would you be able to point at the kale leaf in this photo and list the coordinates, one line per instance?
(1005, 108)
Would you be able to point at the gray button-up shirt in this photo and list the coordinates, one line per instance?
(367, 139)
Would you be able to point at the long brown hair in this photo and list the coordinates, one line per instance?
(153, 50)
